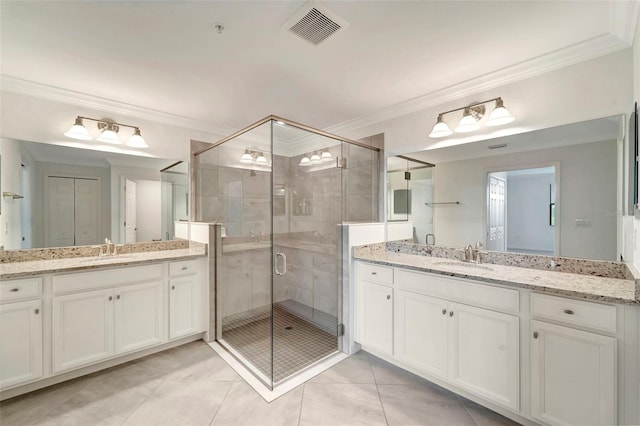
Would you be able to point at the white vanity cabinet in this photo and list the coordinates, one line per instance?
(375, 307)
(90, 326)
(184, 299)
(20, 332)
(573, 372)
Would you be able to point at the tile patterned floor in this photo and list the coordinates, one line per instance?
(297, 343)
(191, 385)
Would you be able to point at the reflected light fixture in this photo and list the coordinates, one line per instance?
(326, 156)
(251, 156)
(108, 132)
(305, 161)
(315, 158)
(471, 116)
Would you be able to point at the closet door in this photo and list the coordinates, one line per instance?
(87, 212)
(60, 211)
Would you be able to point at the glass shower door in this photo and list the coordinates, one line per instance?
(307, 214)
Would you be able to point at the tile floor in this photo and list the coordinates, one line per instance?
(191, 385)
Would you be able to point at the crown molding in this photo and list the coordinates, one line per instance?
(580, 52)
(623, 19)
(57, 94)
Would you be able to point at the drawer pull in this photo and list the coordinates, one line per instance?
(118, 297)
(184, 268)
(37, 311)
(535, 334)
(173, 287)
(110, 298)
(13, 290)
(444, 312)
(374, 273)
(388, 297)
(451, 313)
(568, 311)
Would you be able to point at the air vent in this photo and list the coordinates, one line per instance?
(315, 23)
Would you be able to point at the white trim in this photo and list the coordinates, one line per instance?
(623, 19)
(580, 52)
(71, 97)
(270, 395)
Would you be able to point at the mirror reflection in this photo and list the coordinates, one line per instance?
(73, 196)
(555, 191)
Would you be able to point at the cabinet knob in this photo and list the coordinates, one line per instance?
(13, 290)
(444, 312)
(37, 311)
(173, 287)
(535, 334)
(110, 298)
(388, 296)
(184, 268)
(568, 311)
(374, 273)
(451, 313)
(118, 297)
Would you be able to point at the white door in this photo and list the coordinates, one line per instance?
(573, 376)
(87, 212)
(484, 347)
(60, 211)
(139, 316)
(21, 343)
(421, 332)
(183, 307)
(375, 316)
(496, 239)
(130, 211)
(82, 329)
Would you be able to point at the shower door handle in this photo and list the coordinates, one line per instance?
(284, 264)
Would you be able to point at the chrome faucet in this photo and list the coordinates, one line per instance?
(108, 249)
(473, 254)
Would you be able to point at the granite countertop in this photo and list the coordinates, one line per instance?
(561, 283)
(75, 264)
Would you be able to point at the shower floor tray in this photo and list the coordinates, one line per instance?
(297, 344)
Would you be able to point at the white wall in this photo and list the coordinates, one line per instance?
(13, 156)
(528, 225)
(587, 178)
(636, 98)
(148, 210)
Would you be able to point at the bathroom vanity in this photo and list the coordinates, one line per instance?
(65, 317)
(535, 345)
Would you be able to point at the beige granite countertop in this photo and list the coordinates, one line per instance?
(75, 264)
(561, 283)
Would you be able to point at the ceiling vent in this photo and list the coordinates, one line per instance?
(315, 23)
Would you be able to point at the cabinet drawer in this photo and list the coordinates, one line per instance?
(106, 278)
(20, 289)
(574, 312)
(467, 292)
(186, 267)
(375, 273)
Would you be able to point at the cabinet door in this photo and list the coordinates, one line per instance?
(82, 329)
(139, 316)
(183, 306)
(484, 347)
(21, 348)
(573, 376)
(375, 317)
(421, 332)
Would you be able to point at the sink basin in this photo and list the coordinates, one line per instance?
(464, 265)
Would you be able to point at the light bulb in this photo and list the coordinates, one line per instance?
(500, 115)
(468, 122)
(136, 140)
(440, 129)
(78, 131)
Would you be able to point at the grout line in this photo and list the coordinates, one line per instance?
(145, 400)
(304, 386)
(375, 380)
(468, 414)
(220, 406)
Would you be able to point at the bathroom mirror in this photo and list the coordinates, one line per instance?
(556, 191)
(74, 196)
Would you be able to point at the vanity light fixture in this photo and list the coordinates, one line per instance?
(325, 156)
(471, 116)
(315, 158)
(251, 156)
(304, 161)
(108, 132)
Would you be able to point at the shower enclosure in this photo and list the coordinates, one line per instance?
(280, 192)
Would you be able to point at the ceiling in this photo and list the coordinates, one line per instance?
(166, 56)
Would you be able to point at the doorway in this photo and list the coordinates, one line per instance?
(521, 211)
